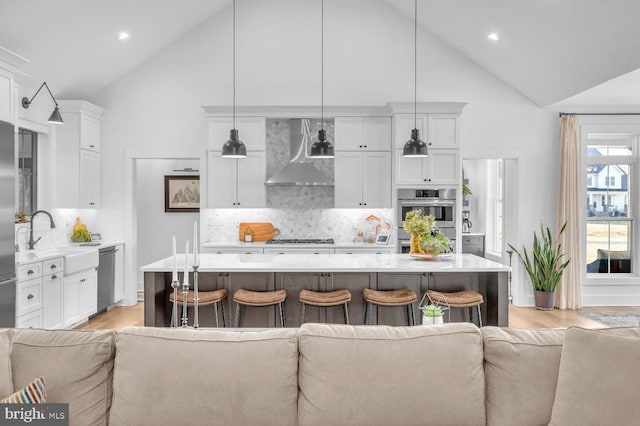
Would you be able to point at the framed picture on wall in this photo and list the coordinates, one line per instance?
(181, 193)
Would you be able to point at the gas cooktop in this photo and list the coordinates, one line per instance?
(301, 241)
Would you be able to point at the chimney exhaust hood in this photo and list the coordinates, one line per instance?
(300, 171)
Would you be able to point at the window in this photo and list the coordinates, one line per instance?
(495, 206)
(27, 166)
(610, 219)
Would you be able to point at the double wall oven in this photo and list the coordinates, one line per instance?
(439, 203)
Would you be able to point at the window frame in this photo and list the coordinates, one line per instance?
(34, 136)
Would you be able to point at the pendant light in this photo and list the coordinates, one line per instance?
(415, 147)
(234, 147)
(322, 148)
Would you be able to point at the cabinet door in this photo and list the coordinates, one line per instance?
(349, 133)
(89, 291)
(376, 184)
(409, 171)
(221, 180)
(377, 133)
(251, 130)
(6, 97)
(404, 123)
(52, 301)
(348, 179)
(252, 316)
(354, 282)
(394, 315)
(443, 166)
(118, 290)
(28, 296)
(443, 130)
(72, 299)
(293, 282)
(89, 179)
(251, 177)
(89, 133)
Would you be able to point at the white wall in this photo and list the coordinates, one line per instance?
(155, 227)
(368, 61)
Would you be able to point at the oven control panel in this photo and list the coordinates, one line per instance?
(427, 193)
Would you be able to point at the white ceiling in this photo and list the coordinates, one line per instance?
(550, 50)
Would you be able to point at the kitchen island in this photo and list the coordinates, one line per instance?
(325, 272)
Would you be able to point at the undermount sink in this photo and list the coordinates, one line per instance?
(78, 259)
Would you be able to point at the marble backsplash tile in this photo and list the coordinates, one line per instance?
(221, 225)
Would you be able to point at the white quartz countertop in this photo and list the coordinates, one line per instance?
(363, 262)
(38, 255)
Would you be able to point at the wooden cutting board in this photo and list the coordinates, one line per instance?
(262, 231)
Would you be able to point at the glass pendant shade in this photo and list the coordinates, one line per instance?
(322, 148)
(415, 147)
(55, 117)
(234, 147)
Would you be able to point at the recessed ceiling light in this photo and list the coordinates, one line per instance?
(494, 37)
(123, 36)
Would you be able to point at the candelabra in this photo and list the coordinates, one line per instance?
(196, 324)
(510, 253)
(174, 316)
(185, 293)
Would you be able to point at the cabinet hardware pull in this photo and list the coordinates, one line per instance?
(365, 204)
(30, 272)
(360, 146)
(92, 146)
(53, 266)
(92, 204)
(429, 179)
(226, 274)
(83, 280)
(424, 180)
(54, 277)
(30, 296)
(365, 146)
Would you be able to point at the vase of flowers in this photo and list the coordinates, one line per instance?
(425, 237)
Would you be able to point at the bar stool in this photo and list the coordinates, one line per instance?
(403, 297)
(459, 299)
(205, 298)
(259, 298)
(325, 299)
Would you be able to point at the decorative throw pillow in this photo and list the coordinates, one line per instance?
(34, 393)
(599, 379)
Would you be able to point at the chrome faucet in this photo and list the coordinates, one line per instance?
(32, 244)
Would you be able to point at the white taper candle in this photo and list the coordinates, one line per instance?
(186, 263)
(175, 261)
(196, 255)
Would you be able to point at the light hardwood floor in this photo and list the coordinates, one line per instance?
(519, 317)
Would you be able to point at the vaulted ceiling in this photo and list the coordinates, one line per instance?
(571, 51)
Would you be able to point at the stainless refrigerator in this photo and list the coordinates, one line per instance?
(7, 220)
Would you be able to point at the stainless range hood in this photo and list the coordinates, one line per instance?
(300, 171)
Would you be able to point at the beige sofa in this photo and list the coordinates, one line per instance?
(454, 374)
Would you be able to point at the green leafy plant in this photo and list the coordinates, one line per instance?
(425, 236)
(432, 311)
(415, 223)
(436, 242)
(545, 267)
(465, 190)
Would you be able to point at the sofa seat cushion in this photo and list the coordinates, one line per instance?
(205, 376)
(599, 379)
(521, 372)
(77, 366)
(379, 375)
(6, 385)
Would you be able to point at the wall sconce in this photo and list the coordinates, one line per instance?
(55, 117)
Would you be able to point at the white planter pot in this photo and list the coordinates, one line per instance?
(431, 320)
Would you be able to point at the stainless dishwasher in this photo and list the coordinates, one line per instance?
(106, 277)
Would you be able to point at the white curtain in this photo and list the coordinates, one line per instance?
(569, 290)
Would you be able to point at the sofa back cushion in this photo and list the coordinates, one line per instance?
(173, 376)
(599, 378)
(521, 371)
(382, 375)
(6, 385)
(77, 366)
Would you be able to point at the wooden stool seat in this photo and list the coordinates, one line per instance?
(329, 298)
(204, 297)
(458, 299)
(401, 297)
(259, 298)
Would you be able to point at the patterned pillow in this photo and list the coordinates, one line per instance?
(34, 393)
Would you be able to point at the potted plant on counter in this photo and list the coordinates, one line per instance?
(545, 267)
(425, 238)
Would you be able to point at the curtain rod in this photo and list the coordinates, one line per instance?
(598, 113)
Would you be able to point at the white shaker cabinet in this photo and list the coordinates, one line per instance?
(38, 295)
(80, 296)
(440, 167)
(362, 179)
(235, 182)
(362, 133)
(7, 101)
(78, 156)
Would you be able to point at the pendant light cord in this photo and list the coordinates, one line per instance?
(415, 65)
(234, 64)
(322, 65)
